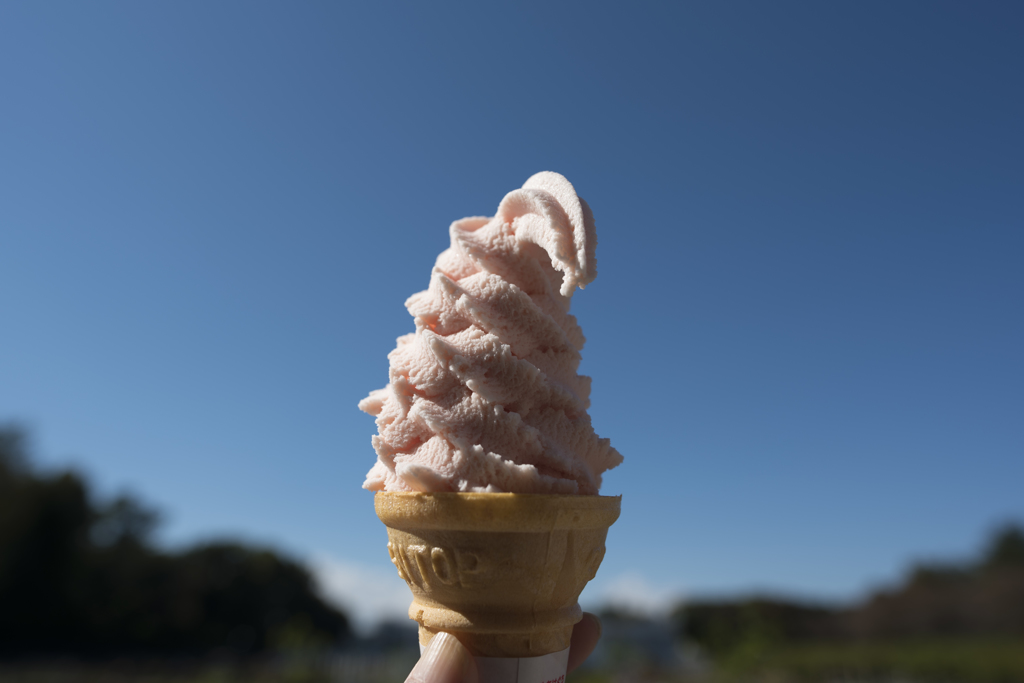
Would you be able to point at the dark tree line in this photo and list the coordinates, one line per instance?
(981, 598)
(79, 577)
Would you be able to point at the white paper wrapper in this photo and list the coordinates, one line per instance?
(545, 669)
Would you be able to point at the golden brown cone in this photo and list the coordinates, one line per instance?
(501, 571)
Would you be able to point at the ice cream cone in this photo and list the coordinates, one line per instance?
(501, 571)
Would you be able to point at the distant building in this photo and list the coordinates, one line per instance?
(387, 655)
(634, 643)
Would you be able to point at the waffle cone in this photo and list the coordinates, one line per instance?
(501, 571)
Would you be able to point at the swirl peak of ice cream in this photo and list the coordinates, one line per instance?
(485, 395)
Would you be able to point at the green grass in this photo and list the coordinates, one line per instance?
(910, 661)
(940, 660)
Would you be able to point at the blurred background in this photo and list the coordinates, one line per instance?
(805, 336)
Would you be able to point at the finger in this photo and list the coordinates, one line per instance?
(584, 639)
(444, 661)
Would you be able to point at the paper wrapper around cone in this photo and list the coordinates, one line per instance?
(501, 571)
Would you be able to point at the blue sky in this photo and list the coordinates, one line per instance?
(805, 335)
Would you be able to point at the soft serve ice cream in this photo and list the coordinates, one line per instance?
(485, 395)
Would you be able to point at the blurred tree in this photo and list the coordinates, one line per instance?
(979, 598)
(248, 600)
(984, 598)
(44, 523)
(12, 452)
(123, 520)
(79, 578)
(726, 628)
(1007, 548)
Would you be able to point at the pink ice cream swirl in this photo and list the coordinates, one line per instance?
(485, 396)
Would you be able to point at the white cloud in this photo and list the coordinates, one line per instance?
(635, 593)
(368, 594)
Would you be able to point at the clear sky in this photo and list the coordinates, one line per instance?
(806, 335)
